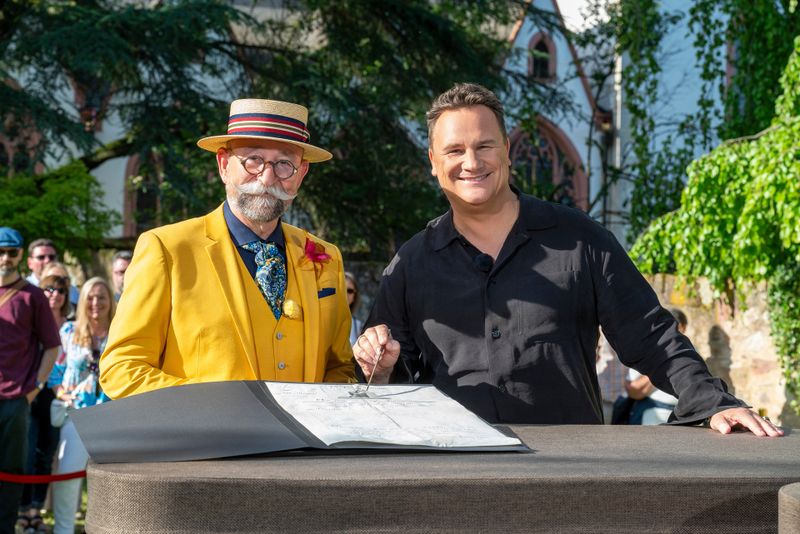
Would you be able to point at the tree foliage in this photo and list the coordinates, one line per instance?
(754, 38)
(166, 72)
(741, 48)
(739, 220)
(143, 68)
(658, 157)
(61, 205)
(160, 65)
(657, 149)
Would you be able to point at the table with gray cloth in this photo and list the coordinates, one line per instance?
(789, 508)
(575, 479)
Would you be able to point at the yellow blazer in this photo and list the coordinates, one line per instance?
(183, 317)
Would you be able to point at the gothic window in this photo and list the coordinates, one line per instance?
(21, 143)
(542, 58)
(15, 156)
(547, 165)
(92, 97)
(541, 61)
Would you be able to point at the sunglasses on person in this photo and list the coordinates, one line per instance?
(42, 257)
(10, 252)
(52, 289)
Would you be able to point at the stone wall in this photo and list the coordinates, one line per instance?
(735, 342)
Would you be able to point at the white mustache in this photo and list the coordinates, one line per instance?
(257, 188)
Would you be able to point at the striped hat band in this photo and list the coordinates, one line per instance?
(261, 120)
(268, 125)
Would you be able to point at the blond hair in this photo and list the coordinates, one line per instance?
(83, 333)
(48, 269)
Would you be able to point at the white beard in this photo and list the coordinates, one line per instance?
(259, 202)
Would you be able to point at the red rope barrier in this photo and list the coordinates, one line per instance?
(39, 479)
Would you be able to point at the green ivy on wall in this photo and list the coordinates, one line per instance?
(739, 221)
(784, 289)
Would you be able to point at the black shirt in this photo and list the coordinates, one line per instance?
(515, 341)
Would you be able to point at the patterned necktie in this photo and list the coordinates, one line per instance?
(270, 274)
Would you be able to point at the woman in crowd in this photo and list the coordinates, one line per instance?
(57, 288)
(75, 381)
(42, 437)
(352, 301)
(59, 269)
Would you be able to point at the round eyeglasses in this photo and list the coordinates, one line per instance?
(283, 169)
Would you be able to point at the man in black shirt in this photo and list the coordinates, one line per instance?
(498, 301)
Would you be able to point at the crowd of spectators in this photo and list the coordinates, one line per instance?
(52, 338)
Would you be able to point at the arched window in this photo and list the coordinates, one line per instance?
(15, 154)
(547, 165)
(20, 143)
(542, 58)
(91, 100)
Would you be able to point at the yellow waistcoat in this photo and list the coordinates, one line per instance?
(191, 313)
(279, 344)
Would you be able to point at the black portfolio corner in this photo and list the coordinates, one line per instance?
(203, 421)
(193, 422)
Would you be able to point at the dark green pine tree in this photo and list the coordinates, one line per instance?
(168, 70)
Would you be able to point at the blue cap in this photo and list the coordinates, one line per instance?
(10, 238)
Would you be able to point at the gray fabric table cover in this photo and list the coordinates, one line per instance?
(789, 509)
(604, 479)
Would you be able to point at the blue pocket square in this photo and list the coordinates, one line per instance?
(326, 292)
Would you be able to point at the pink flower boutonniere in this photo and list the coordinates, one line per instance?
(316, 252)
(314, 256)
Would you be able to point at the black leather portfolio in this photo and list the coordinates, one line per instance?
(225, 419)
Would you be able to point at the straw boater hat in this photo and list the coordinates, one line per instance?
(254, 118)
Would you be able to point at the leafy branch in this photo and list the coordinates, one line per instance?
(739, 221)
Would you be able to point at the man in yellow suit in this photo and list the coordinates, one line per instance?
(236, 294)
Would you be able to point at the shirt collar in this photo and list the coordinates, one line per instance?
(241, 234)
(534, 214)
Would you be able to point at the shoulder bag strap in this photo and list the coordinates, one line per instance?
(13, 290)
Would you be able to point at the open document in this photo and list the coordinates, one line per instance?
(394, 415)
(224, 419)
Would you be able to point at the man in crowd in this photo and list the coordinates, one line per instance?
(41, 253)
(119, 264)
(29, 343)
(498, 301)
(237, 294)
